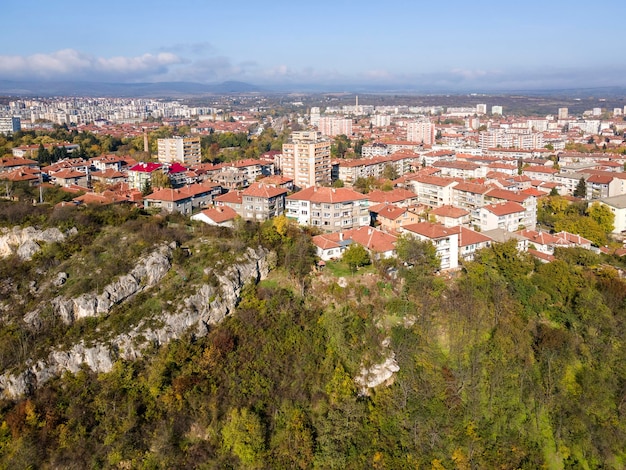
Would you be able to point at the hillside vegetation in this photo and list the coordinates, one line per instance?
(509, 364)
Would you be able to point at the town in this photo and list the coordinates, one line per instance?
(461, 177)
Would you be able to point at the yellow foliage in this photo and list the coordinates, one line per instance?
(437, 465)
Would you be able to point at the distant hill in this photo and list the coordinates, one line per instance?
(159, 89)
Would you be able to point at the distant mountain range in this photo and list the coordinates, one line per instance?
(188, 89)
(158, 89)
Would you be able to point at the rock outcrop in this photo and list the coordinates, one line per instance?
(147, 273)
(207, 306)
(25, 242)
(378, 374)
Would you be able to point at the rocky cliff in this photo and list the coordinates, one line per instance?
(25, 242)
(208, 305)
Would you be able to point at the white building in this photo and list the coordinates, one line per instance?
(185, 150)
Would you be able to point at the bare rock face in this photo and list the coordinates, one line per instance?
(25, 242)
(207, 306)
(147, 273)
(378, 374)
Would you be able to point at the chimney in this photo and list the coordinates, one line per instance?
(146, 147)
(340, 236)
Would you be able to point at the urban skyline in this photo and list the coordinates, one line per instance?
(405, 45)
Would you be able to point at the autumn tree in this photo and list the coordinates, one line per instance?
(356, 256)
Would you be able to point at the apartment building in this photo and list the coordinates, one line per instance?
(185, 150)
(330, 209)
(306, 159)
(422, 131)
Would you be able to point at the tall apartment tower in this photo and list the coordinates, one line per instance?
(481, 108)
(306, 159)
(421, 131)
(563, 113)
(185, 150)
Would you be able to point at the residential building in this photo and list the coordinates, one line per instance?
(470, 242)
(222, 216)
(185, 150)
(508, 216)
(432, 191)
(306, 159)
(9, 125)
(262, 202)
(422, 131)
(390, 218)
(445, 240)
(139, 175)
(450, 216)
(617, 204)
(330, 209)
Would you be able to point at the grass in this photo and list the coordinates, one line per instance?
(340, 269)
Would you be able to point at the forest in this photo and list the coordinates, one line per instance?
(508, 363)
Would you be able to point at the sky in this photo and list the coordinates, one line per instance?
(483, 45)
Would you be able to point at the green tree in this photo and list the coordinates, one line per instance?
(390, 172)
(581, 189)
(356, 256)
(602, 215)
(340, 146)
(243, 436)
(159, 179)
(421, 255)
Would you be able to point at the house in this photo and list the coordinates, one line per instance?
(330, 209)
(378, 243)
(69, 177)
(450, 216)
(222, 216)
(170, 200)
(543, 242)
(445, 240)
(140, 175)
(390, 217)
(470, 242)
(507, 216)
(11, 164)
(331, 245)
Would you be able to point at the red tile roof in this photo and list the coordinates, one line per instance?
(327, 195)
(506, 208)
(430, 230)
(220, 214)
(263, 190)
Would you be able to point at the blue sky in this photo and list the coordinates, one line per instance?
(482, 45)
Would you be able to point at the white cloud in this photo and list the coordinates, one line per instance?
(73, 64)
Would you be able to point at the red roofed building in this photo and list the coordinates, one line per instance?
(262, 202)
(222, 216)
(508, 216)
(11, 164)
(398, 196)
(445, 240)
(330, 209)
(451, 216)
(470, 242)
(139, 175)
(69, 177)
(391, 217)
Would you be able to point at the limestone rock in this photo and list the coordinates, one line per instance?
(24, 241)
(207, 306)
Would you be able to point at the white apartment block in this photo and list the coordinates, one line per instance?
(185, 150)
(9, 125)
(332, 126)
(421, 131)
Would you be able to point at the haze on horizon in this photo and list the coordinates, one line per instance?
(486, 45)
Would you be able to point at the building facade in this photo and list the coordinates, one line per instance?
(306, 159)
(185, 150)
